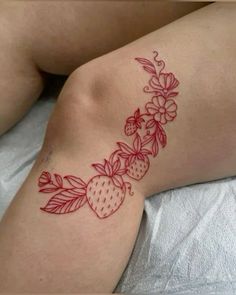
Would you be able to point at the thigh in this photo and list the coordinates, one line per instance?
(58, 36)
(63, 35)
(20, 82)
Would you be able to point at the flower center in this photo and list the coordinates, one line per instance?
(162, 110)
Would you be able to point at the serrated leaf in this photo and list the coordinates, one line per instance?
(172, 94)
(124, 155)
(99, 168)
(137, 113)
(118, 180)
(116, 166)
(161, 135)
(137, 143)
(108, 168)
(121, 171)
(130, 120)
(59, 180)
(77, 191)
(150, 69)
(145, 151)
(131, 160)
(147, 139)
(148, 66)
(141, 157)
(125, 148)
(151, 123)
(75, 181)
(155, 148)
(64, 202)
(49, 190)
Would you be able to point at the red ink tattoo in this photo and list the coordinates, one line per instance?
(105, 191)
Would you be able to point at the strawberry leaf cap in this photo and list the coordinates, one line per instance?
(135, 152)
(136, 119)
(109, 169)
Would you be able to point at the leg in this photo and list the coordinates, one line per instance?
(21, 83)
(57, 37)
(79, 251)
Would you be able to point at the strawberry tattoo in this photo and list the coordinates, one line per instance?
(106, 191)
(136, 158)
(133, 123)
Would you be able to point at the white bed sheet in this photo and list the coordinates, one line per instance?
(187, 239)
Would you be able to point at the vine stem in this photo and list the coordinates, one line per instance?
(152, 135)
(145, 114)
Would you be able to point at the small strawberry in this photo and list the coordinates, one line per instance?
(106, 191)
(133, 123)
(130, 128)
(136, 159)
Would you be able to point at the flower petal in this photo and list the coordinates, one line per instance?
(163, 119)
(154, 83)
(162, 80)
(172, 114)
(170, 105)
(169, 80)
(161, 101)
(157, 117)
(151, 108)
(155, 101)
(168, 117)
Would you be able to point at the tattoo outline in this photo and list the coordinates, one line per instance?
(105, 192)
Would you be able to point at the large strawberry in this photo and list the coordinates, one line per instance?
(133, 123)
(106, 191)
(136, 159)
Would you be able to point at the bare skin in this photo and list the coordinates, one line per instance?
(59, 36)
(78, 252)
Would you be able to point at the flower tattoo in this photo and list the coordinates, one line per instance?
(105, 191)
(162, 109)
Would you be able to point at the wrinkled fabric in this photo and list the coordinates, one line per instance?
(187, 239)
(186, 243)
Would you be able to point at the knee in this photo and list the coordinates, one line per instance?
(89, 103)
(73, 121)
